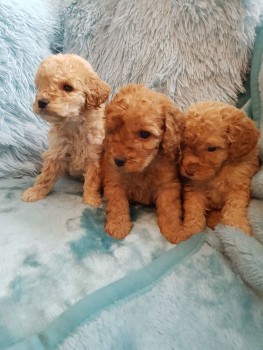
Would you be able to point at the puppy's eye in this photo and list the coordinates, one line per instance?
(211, 148)
(67, 88)
(144, 134)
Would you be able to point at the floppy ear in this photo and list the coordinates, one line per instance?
(97, 91)
(241, 133)
(36, 79)
(41, 69)
(173, 128)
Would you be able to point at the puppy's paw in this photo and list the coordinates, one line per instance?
(175, 235)
(171, 229)
(93, 200)
(179, 237)
(118, 228)
(32, 195)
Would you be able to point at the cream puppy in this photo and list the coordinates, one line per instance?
(70, 96)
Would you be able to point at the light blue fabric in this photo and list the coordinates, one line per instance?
(257, 79)
(61, 255)
(245, 253)
(55, 252)
(190, 50)
(188, 298)
(110, 295)
(201, 304)
(28, 29)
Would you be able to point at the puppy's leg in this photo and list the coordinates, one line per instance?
(194, 213)
(92, 184)
(234, 212)
(118, 223)
(45, 181)
(168, 205)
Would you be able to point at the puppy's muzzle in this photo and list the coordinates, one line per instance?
(119, 162)
(42, 103)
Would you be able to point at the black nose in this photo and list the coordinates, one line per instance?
(119, 162)
(42, 103)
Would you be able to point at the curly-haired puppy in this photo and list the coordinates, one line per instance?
(141, 151)
(219, 157)
(70, 96)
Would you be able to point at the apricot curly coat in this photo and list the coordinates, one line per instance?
(143, 130)
(70, 96)
(220, 154)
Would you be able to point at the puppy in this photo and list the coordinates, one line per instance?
(142, 141)
(220, 154)
(70, 96)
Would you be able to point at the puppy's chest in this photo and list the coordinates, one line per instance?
(140, 189)
(79, 154)
(76, 152)
(76, 158)
(215, 193)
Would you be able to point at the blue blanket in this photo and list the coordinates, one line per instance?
(51, 291)
(187, 299)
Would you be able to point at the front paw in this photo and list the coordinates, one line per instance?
(178, 237)
(32, 195)
(174, 235)
(118, 228)
(94, 200)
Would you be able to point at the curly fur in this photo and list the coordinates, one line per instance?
(220, 154)
(149, 170)
(77, 124)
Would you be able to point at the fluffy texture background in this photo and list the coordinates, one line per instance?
(161, 43)
(260, 81)
(28, 30)
(257, 105)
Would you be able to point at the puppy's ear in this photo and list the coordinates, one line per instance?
(39, 73)
(173, 128)
(36, 79)
(241, 133)
(97, 91)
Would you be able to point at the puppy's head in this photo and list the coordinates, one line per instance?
(215, 133)
(66, 87)
(140, 123)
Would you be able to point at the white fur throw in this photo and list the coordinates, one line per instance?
(27, 29)
(191, 50)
